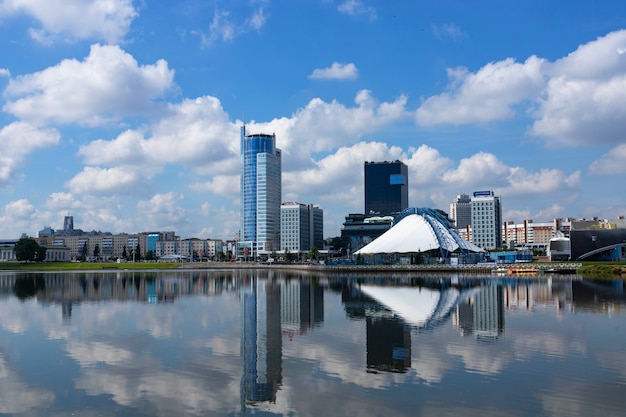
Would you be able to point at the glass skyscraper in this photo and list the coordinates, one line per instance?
(260, 194)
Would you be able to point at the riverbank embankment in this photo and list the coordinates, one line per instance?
(596, 270)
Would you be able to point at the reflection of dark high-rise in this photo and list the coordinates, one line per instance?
(489, 312)
(261, 341)
(388, 344)
(66, 308)
(302, 305)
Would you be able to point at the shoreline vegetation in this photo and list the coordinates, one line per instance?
(589, 270)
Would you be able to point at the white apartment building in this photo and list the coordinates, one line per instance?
(301, 227)
(528, 233)
(486, 220)
(107, 246)
(190, 248)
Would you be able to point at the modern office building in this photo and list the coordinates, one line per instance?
(301, 227)
(461, 211)
(486, 220)
(359, 230)
(260, 194)
(386, 188)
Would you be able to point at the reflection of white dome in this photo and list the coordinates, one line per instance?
(419, 230)
(418, 306)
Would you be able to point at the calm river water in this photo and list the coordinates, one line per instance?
(234, 343)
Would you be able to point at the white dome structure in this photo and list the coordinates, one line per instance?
(420, 230)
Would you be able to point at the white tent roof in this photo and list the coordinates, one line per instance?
(415, 305)
(415, 234)
(418, 306)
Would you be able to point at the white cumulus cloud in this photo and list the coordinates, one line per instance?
(336, 71)
(194, 132)
(163, 211)
(110, 181)
(583, 101)
(19, 139)
(487, 95)
(611, 163)
(576, 100)
(357, 8)
(108, 84)
(102, 20)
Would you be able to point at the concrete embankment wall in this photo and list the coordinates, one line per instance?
(458, 269)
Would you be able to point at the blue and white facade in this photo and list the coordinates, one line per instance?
(260, 194)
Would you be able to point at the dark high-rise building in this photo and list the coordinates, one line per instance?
(68, 223)
(461, 211)
(386, 188)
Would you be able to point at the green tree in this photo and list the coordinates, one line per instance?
(26, 249)
(334, 242)
(149, 255)
(124, 256)
(96, 251)
(313, 252)
(41, 253)
(137, 253)
(83, 252)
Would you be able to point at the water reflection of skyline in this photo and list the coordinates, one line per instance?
(74, 288)
(276, 307)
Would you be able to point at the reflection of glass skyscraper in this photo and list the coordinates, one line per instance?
(260, 194)
(261, 345)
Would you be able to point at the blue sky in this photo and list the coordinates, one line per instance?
(126, 114)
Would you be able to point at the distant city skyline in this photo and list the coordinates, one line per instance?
(131, 124)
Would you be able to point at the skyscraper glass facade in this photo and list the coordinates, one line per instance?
(260, 193)
(386, 188)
